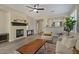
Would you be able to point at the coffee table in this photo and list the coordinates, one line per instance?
(32, 47)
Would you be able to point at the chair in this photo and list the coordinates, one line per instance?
(47, 36)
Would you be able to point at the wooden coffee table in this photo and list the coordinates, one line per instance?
(32, 47)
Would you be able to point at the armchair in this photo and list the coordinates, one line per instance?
(47, 36)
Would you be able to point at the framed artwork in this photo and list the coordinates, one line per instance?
(57, 24)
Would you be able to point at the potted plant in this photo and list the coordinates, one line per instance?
(69, 23)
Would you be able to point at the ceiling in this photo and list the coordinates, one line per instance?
(59, 9)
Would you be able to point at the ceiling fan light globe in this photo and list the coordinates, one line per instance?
(35, 10)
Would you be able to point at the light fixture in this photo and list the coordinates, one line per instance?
(35, 10)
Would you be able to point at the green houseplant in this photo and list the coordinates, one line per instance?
(69, 23)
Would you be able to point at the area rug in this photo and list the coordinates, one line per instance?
(50, 49)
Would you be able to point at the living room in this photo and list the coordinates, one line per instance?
(24, 23)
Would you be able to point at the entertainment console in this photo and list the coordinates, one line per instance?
(30, 32)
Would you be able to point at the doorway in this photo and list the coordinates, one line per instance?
(39, 26)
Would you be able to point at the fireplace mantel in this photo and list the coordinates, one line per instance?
(18, 24)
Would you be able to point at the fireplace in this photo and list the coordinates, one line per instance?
(19, 32)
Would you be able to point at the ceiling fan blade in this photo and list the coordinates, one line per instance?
(29, 7)
(40, 8)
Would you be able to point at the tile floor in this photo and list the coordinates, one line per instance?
(10, 47)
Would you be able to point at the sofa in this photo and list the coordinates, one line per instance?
(68, 45)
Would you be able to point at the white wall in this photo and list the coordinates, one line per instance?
(17, 15)
(14, 15)
(3, 22)
(32, 24)
(58, 29)
(78, 19)
(49, 21)
(7, 15)
(74, 14)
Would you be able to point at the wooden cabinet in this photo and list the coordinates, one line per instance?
(30, 32)
(4, 37)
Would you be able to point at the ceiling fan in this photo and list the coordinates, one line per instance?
(35, 8)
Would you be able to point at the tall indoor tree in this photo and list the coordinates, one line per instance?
(69, 23)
